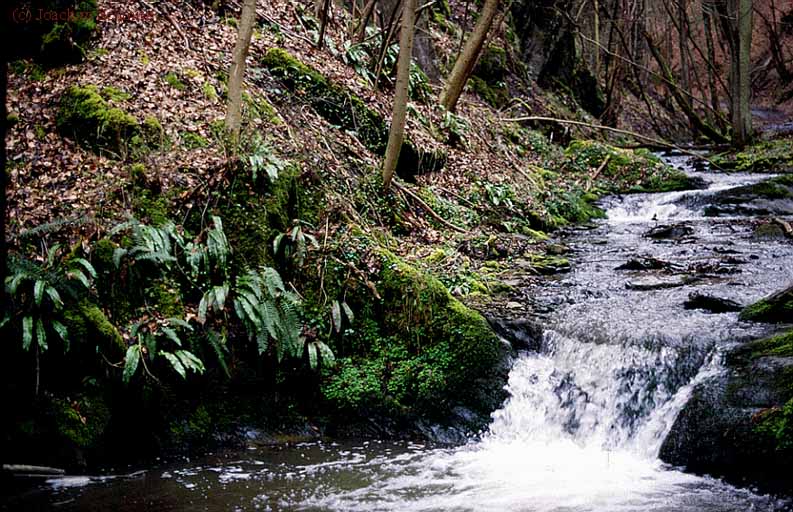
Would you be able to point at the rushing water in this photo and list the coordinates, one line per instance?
(586, 417)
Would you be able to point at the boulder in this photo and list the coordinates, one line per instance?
(710, 303)
(776, 308)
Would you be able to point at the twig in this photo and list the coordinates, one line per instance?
(170, 20)
(429, 210)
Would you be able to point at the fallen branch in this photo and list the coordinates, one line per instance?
(32, 470)
(429, 210)
(593, 126)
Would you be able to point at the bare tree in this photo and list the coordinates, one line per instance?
(237, 72)
(467, 60)
(396, 134)
(736, 22)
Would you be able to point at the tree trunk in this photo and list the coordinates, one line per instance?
(360, 33)
(323, 23)
(741, 72)
(396, 134)
(707, 10)
(237, 71)
(467, 59)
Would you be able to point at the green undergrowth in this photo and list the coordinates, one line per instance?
(767, 156)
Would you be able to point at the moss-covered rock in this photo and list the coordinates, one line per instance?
(494, 95)
(88, 325)
(85, 116)
(767, 156)
(625, 170)
(776, 308)
(342, 108)
(426, 353)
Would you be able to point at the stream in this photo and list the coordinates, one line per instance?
(587, 414)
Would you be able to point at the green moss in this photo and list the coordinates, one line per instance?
(768, 156)
(172, 79)
(492, 65)
(495, 96)
(114, 94)
(81, 422)
(151, 206)
(164, 297)
(774, 309)
(153, 132)
(342, 108)
(780, 345)
(193, 428)
(67, 41)
(88, 325)
(191, 140)
(777, 424)
(427, 354)
(12, 119)
(85, 116)
(209, 91)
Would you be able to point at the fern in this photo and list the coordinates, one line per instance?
(37, 290)
(269, 312)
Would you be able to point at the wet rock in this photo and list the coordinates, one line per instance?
(769, 197)
(644, 263)
(776, 308)
(724, 429)
(710, 303)
(670, 232)
(653, 283)
(769, 231)
(522, 334)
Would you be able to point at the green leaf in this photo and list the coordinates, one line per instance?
(190, 361)
(277, 243)
(171, 335)
(131, 362)
(219, 345)
(41, 335)
(328, 359)
(54, 296)
(202, 309)
(27, 332)
(312, 356)
(38, 291)
(62, 331)
(175, 363)
(348, 312)
(86, 265)
(118, 253)
(78, 275)
(335, 315)
(181, 323)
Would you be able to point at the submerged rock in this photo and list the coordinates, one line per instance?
(644, 263)
(670, 232)
(710, 303)
(654, 283)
